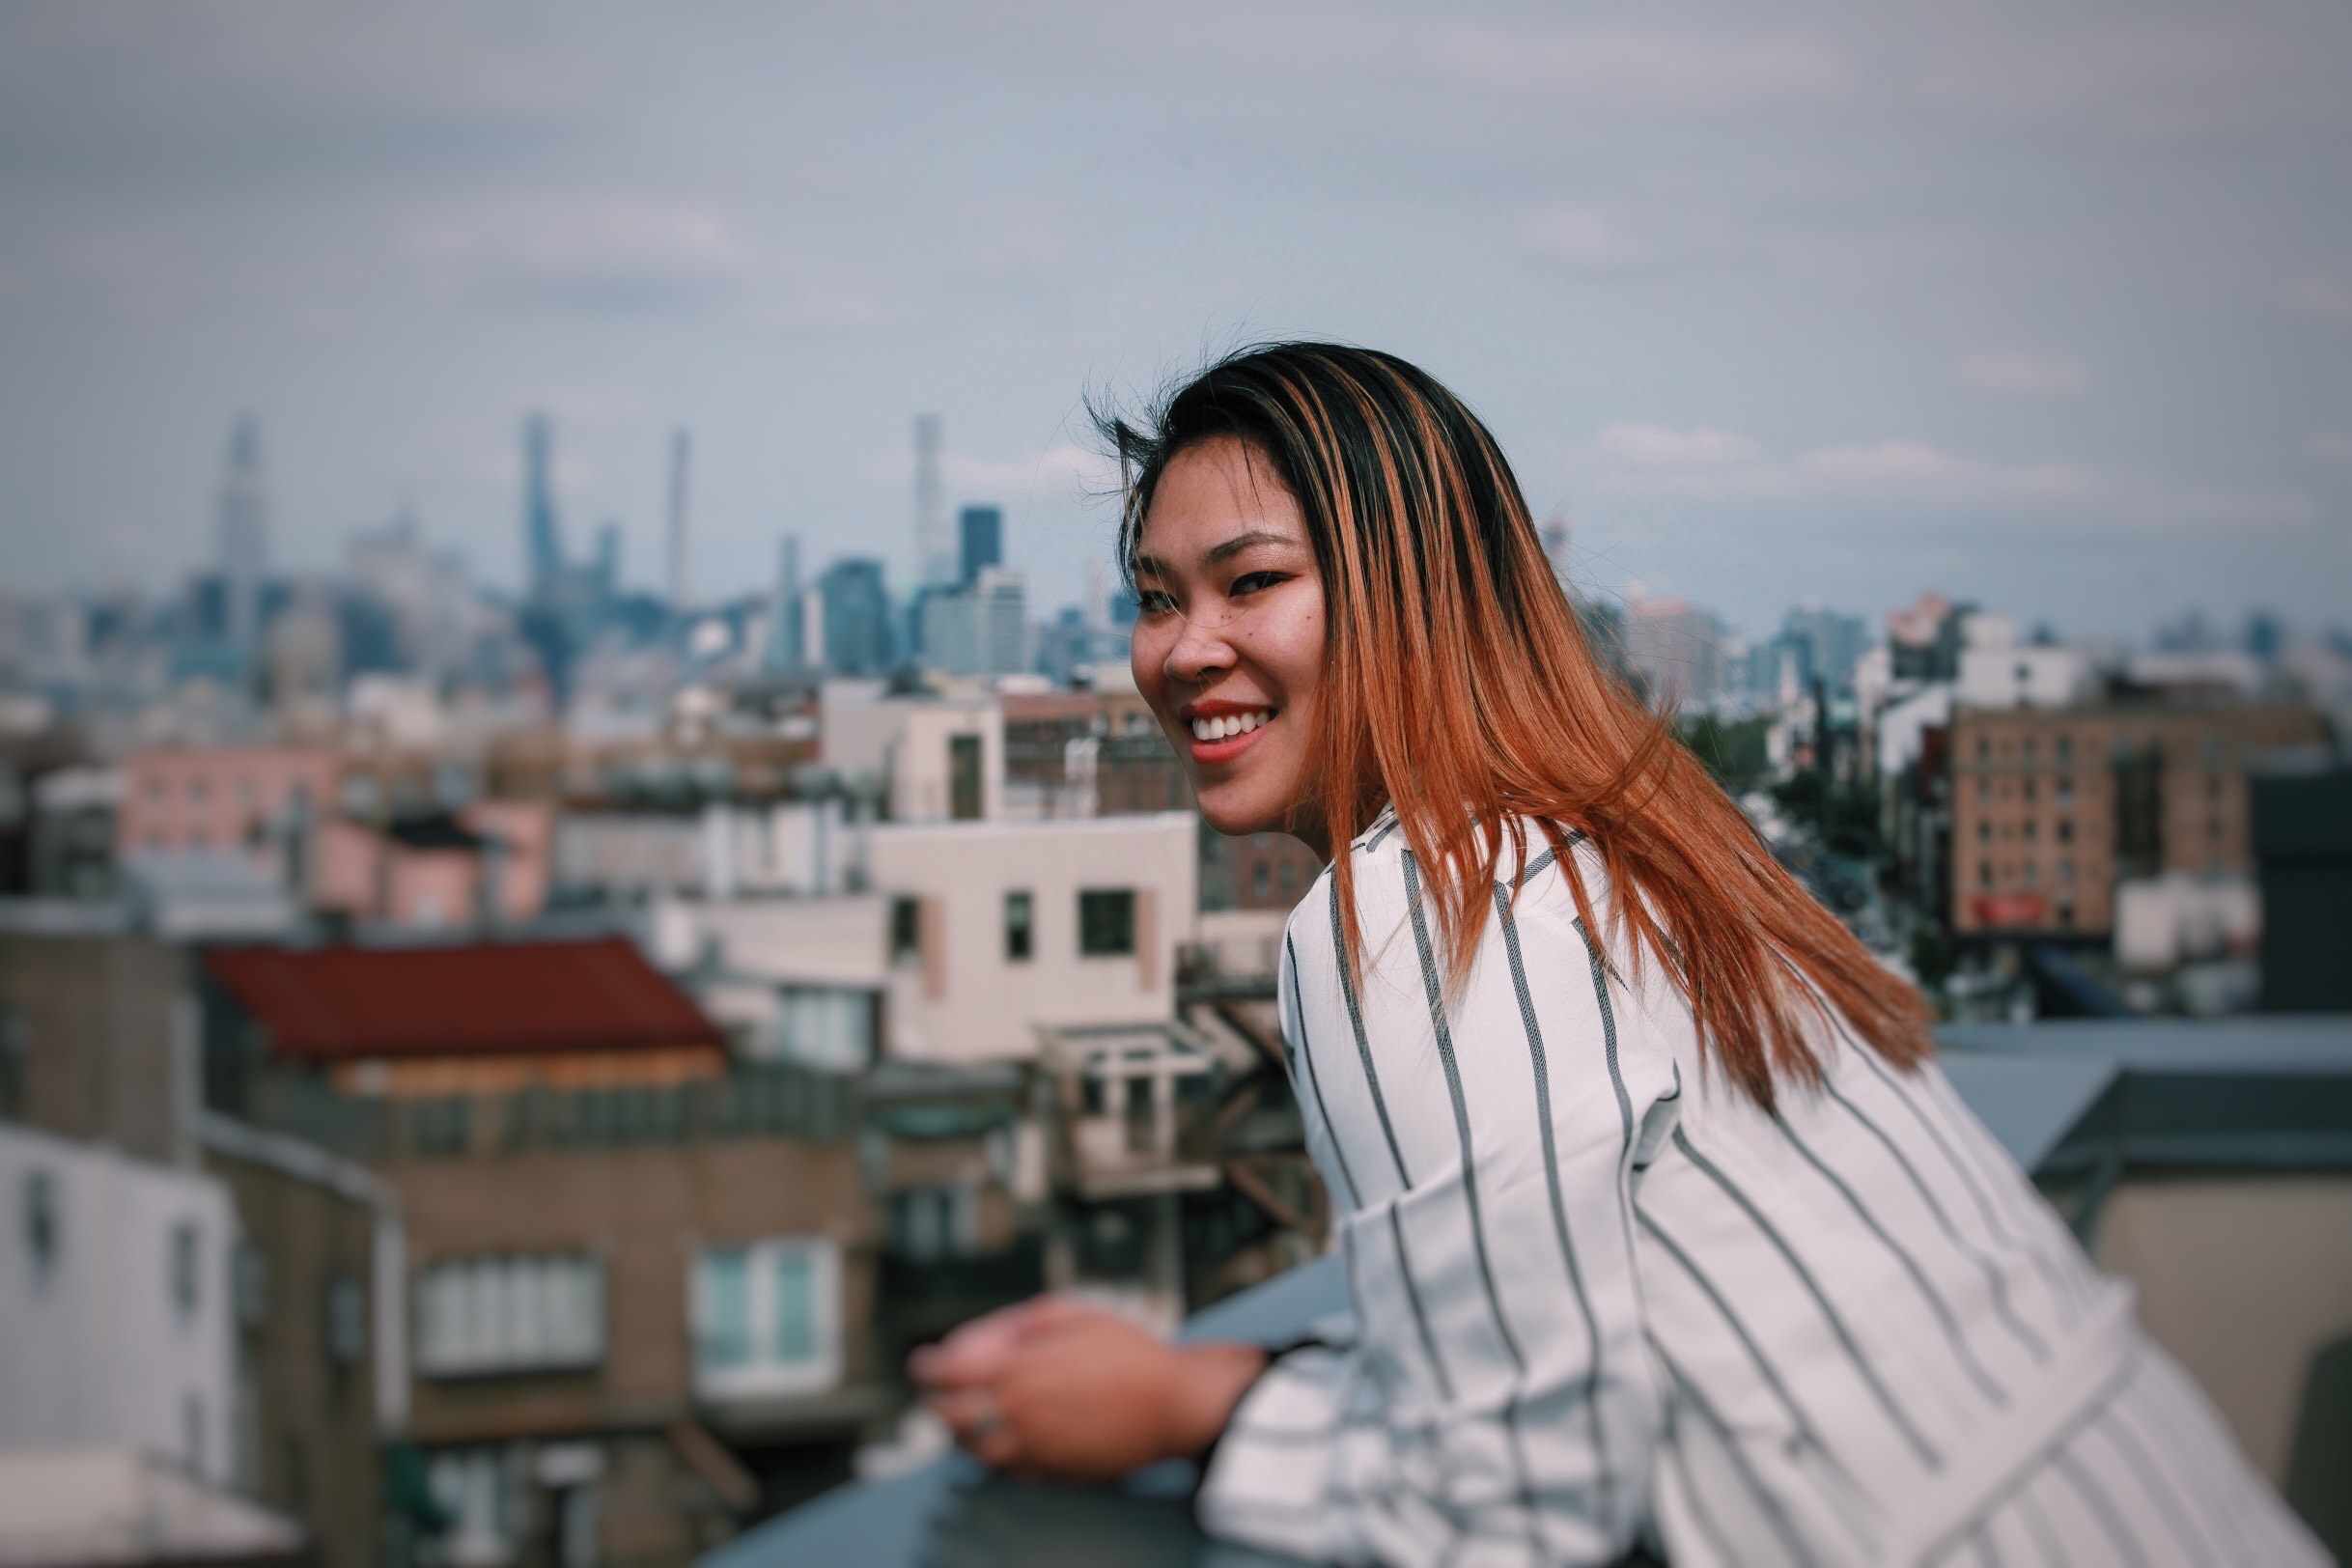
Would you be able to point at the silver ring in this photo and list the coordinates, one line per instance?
(987, 1420)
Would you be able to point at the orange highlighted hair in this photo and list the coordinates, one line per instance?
(1458, 688)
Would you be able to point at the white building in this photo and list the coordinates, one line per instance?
(976, 934)
(931, 759)
(998, 928)
(1997, 671)
(116, 1324)
(981, 628)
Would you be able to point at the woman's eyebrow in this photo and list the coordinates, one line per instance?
(1227, 550)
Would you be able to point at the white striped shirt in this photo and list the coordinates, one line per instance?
(1601, 1297)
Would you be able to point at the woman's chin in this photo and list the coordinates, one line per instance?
(1235, 816)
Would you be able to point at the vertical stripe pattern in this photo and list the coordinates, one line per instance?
(1591, 1306)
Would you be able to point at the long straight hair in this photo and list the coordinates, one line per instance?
(1458, 688)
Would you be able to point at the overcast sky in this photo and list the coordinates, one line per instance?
(2045, 304)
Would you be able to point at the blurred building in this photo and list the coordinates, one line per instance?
(297, 1273)
(640, 1280)
(856, 629)
(1676, 650)
(2302, 828)
(2053, 807)
(980, 531)
(117, 1323)
(979, 627)
(243, 534)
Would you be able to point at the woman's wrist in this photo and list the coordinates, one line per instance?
(1210, 1381)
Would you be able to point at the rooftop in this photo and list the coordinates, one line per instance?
(484, 999)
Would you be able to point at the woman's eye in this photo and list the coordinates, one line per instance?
(1250, 583)
(1155, 601)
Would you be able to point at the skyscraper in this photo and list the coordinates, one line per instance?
(981, 529)
(935, 553)
(245, 538)
(787, 642)
(543, 543)
(856, 617)
(680, 451)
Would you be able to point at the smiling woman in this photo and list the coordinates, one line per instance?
(1229, 636)
(1663, 1231)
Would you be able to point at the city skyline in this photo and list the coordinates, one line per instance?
(1839, 307)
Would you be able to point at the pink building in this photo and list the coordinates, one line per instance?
(448, 869)
(221, 798)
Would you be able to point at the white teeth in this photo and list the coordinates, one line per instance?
(1226, 726)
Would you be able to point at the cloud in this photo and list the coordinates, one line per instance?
(2332, 445)
(1624, 70)
(1062, 473)
(595, 252)
(2017, 373)
(2323, 298)
(1588, 239)
(1711, 466)
(1700, 449)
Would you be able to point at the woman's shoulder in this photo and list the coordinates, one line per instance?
(1385, 878)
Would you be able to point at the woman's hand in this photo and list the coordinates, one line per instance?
(1060, 1390)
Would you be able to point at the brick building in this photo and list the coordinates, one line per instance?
(640, 1280)
(2051, 808)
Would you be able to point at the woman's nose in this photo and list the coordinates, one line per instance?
(1198, 652)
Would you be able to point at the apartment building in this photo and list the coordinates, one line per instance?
(117, 1324)
(639, 1279)
(1000, 928)
(2051, 808)
(222, 797)
(100, 1045)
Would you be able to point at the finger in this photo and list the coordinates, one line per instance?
(1000, 1449)
(977, 1351)
(970, 1349)
(970, 1414)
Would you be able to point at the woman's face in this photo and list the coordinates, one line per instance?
(1229, 636)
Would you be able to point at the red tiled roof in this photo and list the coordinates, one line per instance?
(490, 998)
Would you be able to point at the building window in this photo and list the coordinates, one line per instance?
(1985, 830)
(16, 1056)
(2066, 872)
(1020, 927)
(905, 931)
(2028, 787)
(1261, 881)
(1985, 792)
(963, 777)
(40, 1221)
(2213, 786)
(251, 1283)
(2065, 829)
(1984, 748)
(2213, 829)
(2029, 829)
(2065, 916)
(2065, 791)
(827, 1027)
(2028, 747)
(510, 1314)
(183, 1244)
(2065, 749)
(929, 1223)
(1107, 923)
(347, 1319)
(1984, 874)
(767, 1318)
(2027, 874)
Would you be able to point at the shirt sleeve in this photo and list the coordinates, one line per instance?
(1499, 1404)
